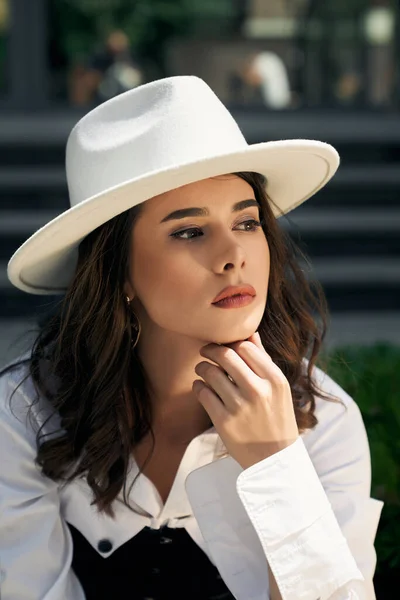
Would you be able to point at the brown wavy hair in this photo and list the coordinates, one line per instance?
(101, 391)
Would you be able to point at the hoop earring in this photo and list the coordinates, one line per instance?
(136, 326)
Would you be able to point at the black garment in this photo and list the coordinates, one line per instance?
(104, 59)
(156, 564)
(117, 70)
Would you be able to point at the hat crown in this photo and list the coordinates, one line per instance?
(171, 121)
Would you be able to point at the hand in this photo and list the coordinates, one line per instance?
(254, 414)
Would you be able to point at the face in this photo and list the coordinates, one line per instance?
(179, 265)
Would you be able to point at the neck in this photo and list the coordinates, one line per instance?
(169, 360)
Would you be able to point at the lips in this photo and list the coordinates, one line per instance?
(237, 290)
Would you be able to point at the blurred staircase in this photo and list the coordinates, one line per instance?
(350, 229)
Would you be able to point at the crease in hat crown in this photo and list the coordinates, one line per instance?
(171, 121)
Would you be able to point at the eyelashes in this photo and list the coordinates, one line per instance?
(255, 225)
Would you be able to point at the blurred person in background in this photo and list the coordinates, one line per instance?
(264, 77)
(111, 70)
(379, 30)
(268, 72)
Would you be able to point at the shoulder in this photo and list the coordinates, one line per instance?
(16, 385)
(339, 440)
(19, 398)
(343, 404)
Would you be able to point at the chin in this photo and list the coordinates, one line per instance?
(224, 339)
(223, 333)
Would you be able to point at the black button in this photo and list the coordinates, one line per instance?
(104, 545)
(155, 571)
(165, 540)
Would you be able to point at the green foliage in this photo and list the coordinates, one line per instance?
(82, 24)
(371, 375)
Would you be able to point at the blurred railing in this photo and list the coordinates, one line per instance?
(350, 229)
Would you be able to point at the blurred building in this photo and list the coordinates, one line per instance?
(324, 69)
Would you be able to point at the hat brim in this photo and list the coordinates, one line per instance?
(295, 170)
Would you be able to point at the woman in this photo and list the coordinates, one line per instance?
(187, 447)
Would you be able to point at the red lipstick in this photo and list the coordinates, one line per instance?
(235, 290)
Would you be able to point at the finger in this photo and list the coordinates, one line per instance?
(252, 356)
(217, 379)
(255, 338)
(209, 400)
(244, 377)
(258, 362)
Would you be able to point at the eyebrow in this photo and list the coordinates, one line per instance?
(204, 212)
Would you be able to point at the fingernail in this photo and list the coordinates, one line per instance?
(197, 385)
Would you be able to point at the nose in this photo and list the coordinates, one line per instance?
(230, 256)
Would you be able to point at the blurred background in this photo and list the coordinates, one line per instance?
(323, 69)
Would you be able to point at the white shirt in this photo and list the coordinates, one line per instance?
(275, 87)
(306, 510)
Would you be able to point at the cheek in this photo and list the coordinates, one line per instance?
(263, 260)
(267, 257)
(171, 278)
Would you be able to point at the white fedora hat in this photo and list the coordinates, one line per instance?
(154, 138)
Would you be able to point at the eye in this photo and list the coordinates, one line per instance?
(253, 223)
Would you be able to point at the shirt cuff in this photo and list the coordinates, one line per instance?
(298, 530)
